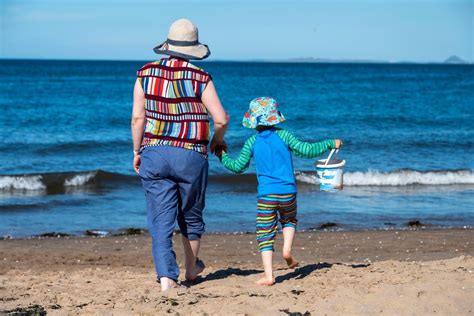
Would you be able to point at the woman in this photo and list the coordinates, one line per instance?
(170, 129)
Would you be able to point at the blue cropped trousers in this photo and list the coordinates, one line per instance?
(175, 181)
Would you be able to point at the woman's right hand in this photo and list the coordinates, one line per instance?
(338, 143)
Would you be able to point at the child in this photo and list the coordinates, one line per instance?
(271, 149)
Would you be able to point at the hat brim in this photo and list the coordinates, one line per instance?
(196, 52)
(250, 121)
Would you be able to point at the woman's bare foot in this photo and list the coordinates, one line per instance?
(266, 281)
(167, 283)
(291, 262)
(198, 268)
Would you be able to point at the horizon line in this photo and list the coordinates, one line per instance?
(298, 60)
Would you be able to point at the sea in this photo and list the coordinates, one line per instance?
(408, 133)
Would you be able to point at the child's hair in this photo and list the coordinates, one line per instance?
(262, 128)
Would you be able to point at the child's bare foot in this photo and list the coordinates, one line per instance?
(291, 261)
(198, 268)
(266, 281)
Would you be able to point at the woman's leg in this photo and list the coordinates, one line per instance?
(162, 207)
(162, 210)
(191, 250)
(191, 172)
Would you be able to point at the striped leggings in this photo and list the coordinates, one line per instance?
(269, 207)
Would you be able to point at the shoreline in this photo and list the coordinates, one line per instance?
(389, 271)
(356, 245)
(413, 225)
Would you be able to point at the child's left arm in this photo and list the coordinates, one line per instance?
(307, 149)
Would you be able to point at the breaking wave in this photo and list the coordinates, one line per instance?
(59, 182)
(404, 177)
(54, 183)
(26, 182)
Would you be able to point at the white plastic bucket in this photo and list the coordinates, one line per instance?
(330, 174)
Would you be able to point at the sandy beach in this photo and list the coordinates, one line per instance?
(409, 272)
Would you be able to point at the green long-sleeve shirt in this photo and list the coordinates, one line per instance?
(298, 147)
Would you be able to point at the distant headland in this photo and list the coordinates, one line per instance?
(453, 60)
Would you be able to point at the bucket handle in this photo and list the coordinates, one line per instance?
(330, 155)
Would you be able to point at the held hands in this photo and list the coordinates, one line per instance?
(217, 144)
(338, 143)
(219, 150)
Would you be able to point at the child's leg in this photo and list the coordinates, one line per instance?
(266, 231)
(267, 260)
(288, 236)
(288, 222)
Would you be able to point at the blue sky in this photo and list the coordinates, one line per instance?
(392, 30)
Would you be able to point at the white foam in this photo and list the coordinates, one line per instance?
(79, 179)
(22, 183)
(398, 178)
(310, 178)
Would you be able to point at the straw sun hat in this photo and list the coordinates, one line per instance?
(183, 42)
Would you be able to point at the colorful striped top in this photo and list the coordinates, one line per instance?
(175, 114)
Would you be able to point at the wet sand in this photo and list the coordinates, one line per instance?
(364, 272)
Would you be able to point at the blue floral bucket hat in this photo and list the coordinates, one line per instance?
(262, 111)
